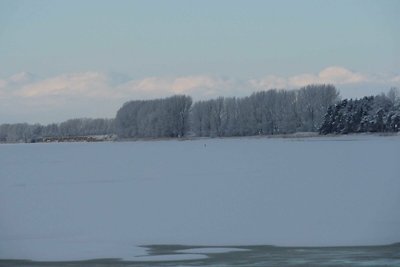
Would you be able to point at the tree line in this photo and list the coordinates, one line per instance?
(30, 133)
(168, 117)
(264, 113)
(379, 113)
(313, 108)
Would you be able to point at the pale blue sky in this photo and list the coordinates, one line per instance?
(234, 38)
(63, 59)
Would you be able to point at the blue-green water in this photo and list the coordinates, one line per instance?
(249, 256)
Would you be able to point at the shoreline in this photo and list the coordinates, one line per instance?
(299, 135)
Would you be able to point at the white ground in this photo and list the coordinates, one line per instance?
(102, 200)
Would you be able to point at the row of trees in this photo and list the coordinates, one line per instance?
(168, 117)
(23, 132)
(379, 113)
(308, 109)
(266, 112)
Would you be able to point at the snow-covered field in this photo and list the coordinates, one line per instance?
(73, 201)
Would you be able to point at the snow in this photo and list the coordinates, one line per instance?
(73, 201)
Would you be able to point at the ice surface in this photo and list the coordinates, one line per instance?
(172, 257)
(210, 250)
(103, 200)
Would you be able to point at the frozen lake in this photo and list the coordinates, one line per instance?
(247, 256)
(81, 201)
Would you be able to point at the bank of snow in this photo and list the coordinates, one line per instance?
(103, 200)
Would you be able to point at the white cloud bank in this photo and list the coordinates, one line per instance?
(331, 75)
(24, 97)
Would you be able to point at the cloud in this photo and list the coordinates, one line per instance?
(151, 84)
(3, 84)
(93, 94)
(269, 82)
(15, 81)
(198, 86)
(96, 85)
(331, 75)
(396, 79)
(25, 97)
(90, 84)
(22, 78)
(192, 83)
(339, 75)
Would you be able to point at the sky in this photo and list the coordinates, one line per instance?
(66, 59)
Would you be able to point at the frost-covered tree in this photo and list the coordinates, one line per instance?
(230, 119)
(23, 132)
(84, 127)
(313, 102)
(394, 95)
(167, 117)
(266, 112)
(379, 113)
